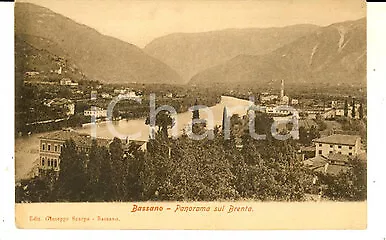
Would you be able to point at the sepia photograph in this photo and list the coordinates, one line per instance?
(190, 109)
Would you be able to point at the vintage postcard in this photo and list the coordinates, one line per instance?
(190, 114)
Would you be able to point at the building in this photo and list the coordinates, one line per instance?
(97, 112)
(51, 145)
(67, 82)
(31, 74)
(119, 91)
(331, 165)
(306, 152)
(126, 91)
(329, 113)
(63, 105)
(313, 112)
(284, 100)
(339, 111)
(294, 101)
(334, 154)
(106, 96)
(129, 145)
(268, 98)
(131, 94)
(349, 145)
(59, 71)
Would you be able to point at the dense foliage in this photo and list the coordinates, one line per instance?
(183, 169)
(347, 186)
(187, 170)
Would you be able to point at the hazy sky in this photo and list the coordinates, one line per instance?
(139, 22)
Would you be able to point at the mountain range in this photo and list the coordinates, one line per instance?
(190, 53)
(100, 57)
(45, 40)
(332, 54)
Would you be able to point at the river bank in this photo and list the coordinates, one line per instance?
(27, 147)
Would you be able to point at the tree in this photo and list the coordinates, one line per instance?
(72, 176)
(116, 114)
(118, 168)
(196, 113)
(307, 135)
(361, 111)
(224, 118)
(133, 171)
(195, 171)
(347, 186)
(37, 189)
(353, 109)
(269, 171)
(163, 121)
(263, 124)
(94, 169)
(346, 108)
(106, 185)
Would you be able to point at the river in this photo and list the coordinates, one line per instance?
(27, 148)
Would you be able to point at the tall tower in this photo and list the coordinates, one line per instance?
(282, 89)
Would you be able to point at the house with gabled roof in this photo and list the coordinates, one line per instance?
(349, 145)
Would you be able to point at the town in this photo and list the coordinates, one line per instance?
(234, 112)
(331, 137)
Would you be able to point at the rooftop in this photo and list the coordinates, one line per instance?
(332, 169)
(338, 139)
(307, 149)
(322, 164)
(83, 140)
(58, 101)
(316, 162)
(338, 157)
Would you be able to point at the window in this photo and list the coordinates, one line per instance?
(43, 147)
(330, 151)
(350, 148)
(331, 146)
(49, 162)
(56, 148)
(61, 147)
(320, 144)
(55, 164)
(339, 147)
(49, 147)
(350, 154)
(320, 151)
(42, 161)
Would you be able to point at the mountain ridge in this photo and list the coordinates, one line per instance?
(311, 58)
(190, 53)
(91, 50)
